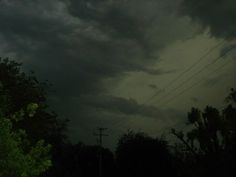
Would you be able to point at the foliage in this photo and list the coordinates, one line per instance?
(18, 90)
(17, 159)
(21, 93)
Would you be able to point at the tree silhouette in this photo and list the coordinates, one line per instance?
(211, 141)
(22, 89)
(139, 155)
(81, 160)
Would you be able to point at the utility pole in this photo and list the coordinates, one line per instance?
(100, 135)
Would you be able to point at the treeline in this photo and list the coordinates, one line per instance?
(33, 140)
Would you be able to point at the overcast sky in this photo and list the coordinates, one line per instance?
(124, 64)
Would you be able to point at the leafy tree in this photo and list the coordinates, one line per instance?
(139, 155)
(17, 159)
(19, 90)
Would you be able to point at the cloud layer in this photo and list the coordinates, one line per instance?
(77, 44)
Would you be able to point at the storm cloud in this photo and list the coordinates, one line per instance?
(79, 44)
(217, 15)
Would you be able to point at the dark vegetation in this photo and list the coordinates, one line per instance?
(33, 140)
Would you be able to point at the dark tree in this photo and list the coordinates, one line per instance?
(81, 160)
(18, 90)
(139, 155)
(211, 141)
(21, 90)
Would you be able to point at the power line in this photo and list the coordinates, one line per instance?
(188, 69)
(100, 135)
(197, 73)
(195, 84)
(192, 66)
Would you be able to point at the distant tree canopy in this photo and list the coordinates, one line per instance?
(139, 155)
(212, 140)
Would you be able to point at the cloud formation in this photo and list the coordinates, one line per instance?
(76, 44)
(218, 15)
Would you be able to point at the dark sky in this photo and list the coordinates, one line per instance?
(118, 63)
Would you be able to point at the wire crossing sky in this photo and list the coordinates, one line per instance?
(182, 83)
(188, 69)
